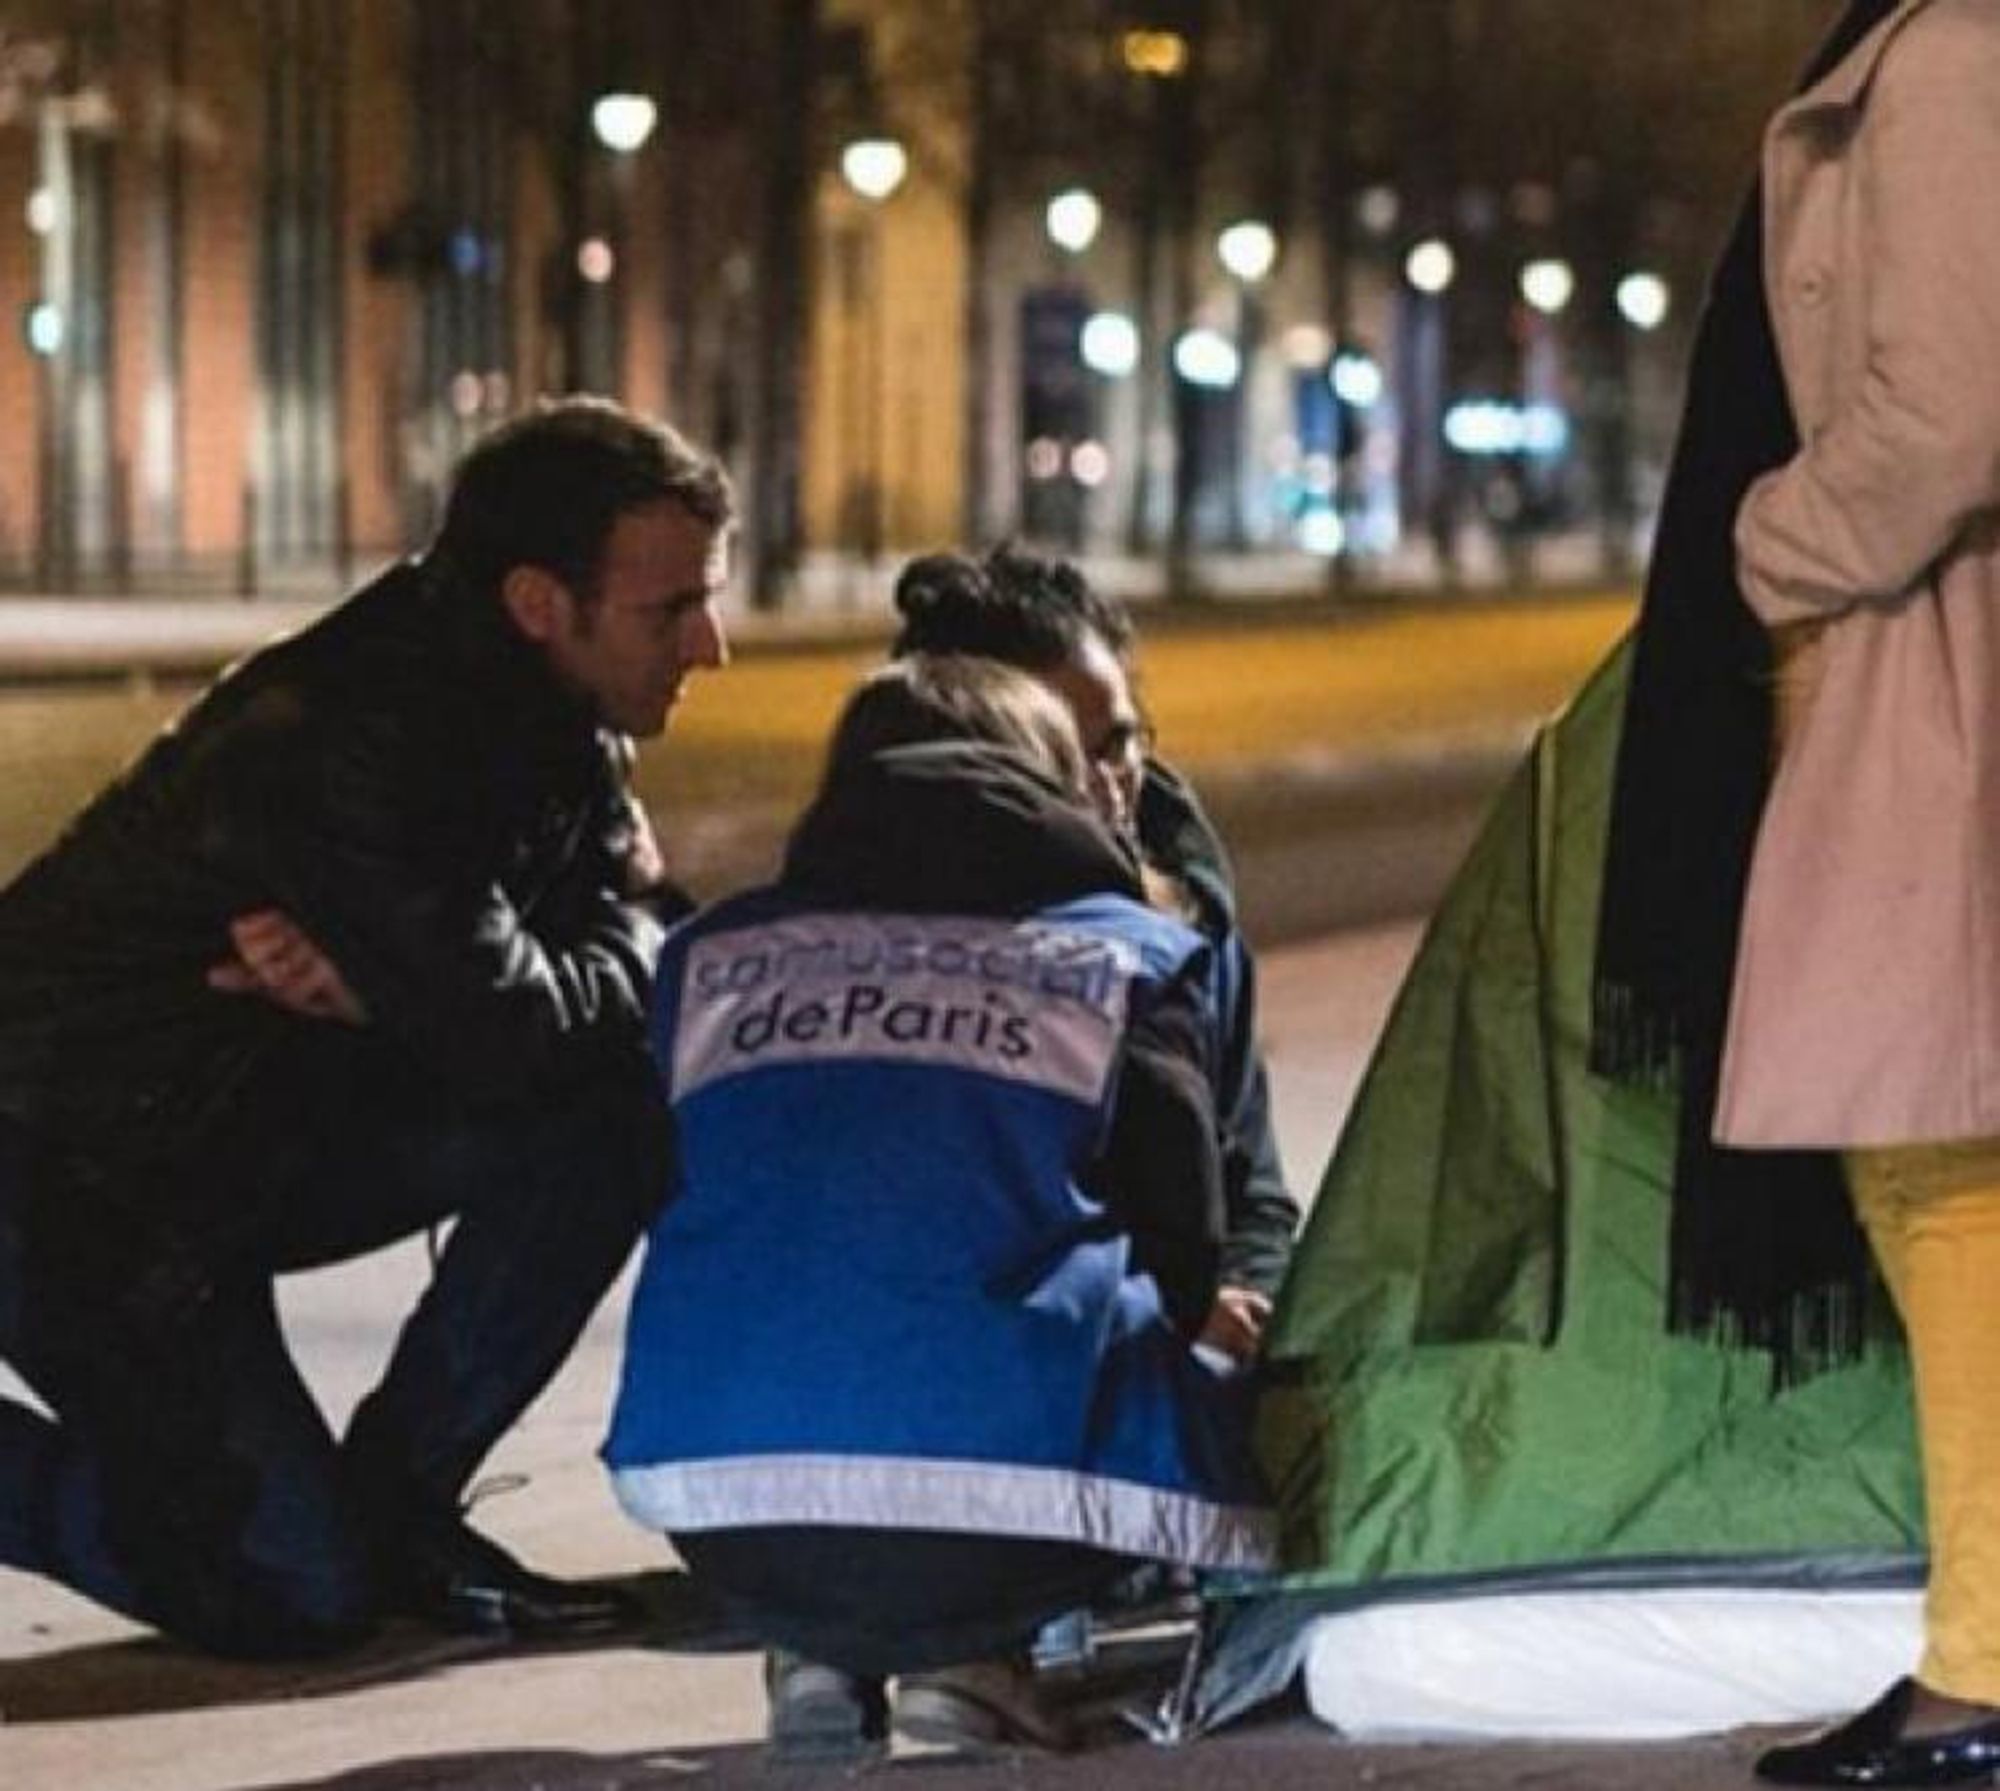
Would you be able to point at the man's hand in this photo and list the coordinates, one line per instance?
(645, 867)
(277, 961)
(1236, 1322)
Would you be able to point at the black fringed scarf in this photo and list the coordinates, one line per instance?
(1764, 1247)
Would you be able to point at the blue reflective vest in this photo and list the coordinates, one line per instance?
(879, 1294)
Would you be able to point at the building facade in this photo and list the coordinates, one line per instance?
(1180, 279)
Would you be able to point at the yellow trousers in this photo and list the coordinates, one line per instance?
(1932, 1214)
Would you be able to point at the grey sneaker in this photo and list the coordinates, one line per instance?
(983, 1707)
(820, 1712)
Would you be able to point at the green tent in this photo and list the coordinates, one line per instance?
(1472, 1387)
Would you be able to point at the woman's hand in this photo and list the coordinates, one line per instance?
(1236, 1322)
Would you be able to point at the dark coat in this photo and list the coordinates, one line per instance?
(1176, 834)
(406, 781)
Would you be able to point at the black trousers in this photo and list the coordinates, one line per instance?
(187, 1478)
(894, 1601)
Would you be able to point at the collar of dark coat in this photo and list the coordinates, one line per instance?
(953, 825)
(496, 659)
(1176, 834)
(1846, 84)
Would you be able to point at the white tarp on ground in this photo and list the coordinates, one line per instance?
(1606, 1666)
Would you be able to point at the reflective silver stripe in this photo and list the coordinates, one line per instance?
(983, 1498)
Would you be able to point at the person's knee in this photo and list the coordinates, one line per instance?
(244, 1611)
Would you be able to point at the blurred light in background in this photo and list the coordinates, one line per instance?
(1073, 220)
(1356, 379)
(874, 166)
(1431, 266)
(1090, 464)
(1493, 426)
(43, 327)
(467, 252)
(1044, 458)
(1378, 209)
(1307, 347)
(1643, 300)
(41, 211)
(1110, 344)
(623, 121)
(1207, 358)
(595, 260)
(1161, 54)
(1322, 532)
(1548, 285)
(1533, 203)
(1247, 249)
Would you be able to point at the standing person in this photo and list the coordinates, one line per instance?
(945, 1221)
(1045, 617)
(361, 944)
(1834, 938)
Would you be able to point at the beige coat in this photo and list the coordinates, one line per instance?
(1867, 993)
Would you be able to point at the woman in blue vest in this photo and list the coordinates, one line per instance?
(910, 1365)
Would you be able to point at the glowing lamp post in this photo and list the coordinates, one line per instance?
(874, 168)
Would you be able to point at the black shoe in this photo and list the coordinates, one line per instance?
(1871, 1749)
(457, 1580)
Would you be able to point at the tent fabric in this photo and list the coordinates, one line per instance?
(1471, 1383)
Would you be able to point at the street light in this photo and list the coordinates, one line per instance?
(43, 327)
(1643, 300)
(1207, 358)
(624, 121)
(1548, 285)
(1247, 249)
(599, 168)
(1356, 379)
(1161, 55)
(1431, 266)
(1110, 344)
(1073, 220)
(873, 168)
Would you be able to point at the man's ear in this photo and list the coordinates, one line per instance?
(536, 599)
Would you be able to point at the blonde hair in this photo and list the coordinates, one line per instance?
(928, 697)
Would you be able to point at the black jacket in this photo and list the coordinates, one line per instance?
(406, 780)
(1176, 834)
(962, 827)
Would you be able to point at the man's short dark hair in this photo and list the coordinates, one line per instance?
(547, 488)
(1012, 606)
